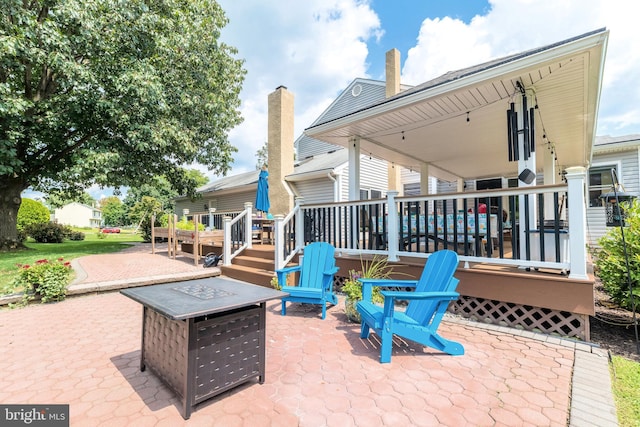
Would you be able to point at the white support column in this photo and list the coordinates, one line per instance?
(299, 223)
(354, 169)
(392, 226)
(576, 178)
(424, 178)
(248, 230)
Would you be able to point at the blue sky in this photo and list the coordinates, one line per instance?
(401, 21)
(317, 47)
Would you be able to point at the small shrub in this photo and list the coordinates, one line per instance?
(49, 232)
(76, 235)
(31, 213)
(610, 265)
(352, 288)
(275, 284)
(49, 279)
(184, 224)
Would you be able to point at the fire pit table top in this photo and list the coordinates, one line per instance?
(201, 297)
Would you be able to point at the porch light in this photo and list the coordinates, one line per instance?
(212, 210)
(185, 211)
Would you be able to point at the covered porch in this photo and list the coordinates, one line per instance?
(528, 119)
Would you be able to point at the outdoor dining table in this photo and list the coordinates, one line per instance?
(203, 337)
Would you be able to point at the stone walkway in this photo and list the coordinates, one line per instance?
(85, 352)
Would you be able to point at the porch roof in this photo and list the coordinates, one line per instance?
(564, 78)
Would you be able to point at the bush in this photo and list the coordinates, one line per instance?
(31, 213)
(49, 279)
(76, 236)
(610, 262)
(49, 232)
(184, 224)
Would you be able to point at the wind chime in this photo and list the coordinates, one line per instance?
(528, 131)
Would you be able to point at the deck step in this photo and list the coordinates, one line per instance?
(248, 274)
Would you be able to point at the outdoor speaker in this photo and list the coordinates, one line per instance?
(527, 176)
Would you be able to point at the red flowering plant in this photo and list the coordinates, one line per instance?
(48, 279)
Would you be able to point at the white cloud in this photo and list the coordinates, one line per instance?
(314, 48)
(317, 47)
(516, 25)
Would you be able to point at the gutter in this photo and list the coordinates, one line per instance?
(592, 40)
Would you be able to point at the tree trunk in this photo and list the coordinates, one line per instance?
(10, 190)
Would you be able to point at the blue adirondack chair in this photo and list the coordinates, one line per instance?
(315, 285)
(427, 305)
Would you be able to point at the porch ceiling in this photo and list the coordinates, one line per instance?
(564, 79)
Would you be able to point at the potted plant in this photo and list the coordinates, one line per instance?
(376, 268)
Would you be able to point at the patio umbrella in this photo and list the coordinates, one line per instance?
(262, 195)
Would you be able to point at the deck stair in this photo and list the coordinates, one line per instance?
(255, 265)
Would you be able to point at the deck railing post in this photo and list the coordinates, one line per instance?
(299, 231)
(278, 229)
(226, 245)
(248, 224)
(392, 226)
(576, 177)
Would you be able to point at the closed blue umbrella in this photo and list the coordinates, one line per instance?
(262, 195)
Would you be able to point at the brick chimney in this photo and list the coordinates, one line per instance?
(280, 149)
(392, 71)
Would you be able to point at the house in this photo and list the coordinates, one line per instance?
(320, 173)
(621, 154)
(78, 215)
(515, 134)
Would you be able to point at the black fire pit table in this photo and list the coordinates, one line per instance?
(203, 337)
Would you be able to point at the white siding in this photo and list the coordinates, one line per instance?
(316, 191)
(373, 176)
(371, 92)
(629, 175)
(228, 202)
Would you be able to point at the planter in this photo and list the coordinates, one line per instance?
(351, 311)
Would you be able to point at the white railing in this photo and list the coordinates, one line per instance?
(544, 229)
(237, 234)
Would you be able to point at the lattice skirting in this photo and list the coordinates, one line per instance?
(526, 317)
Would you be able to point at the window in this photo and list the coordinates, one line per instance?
(412, 189)
(600, 182)
(366, 194)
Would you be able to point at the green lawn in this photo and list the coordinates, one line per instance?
(626, 389)
(68, 250)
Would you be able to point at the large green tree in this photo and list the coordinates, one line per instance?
(161, 189)
(111, 92)
(114, 211)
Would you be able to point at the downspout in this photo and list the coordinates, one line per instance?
(336, 195)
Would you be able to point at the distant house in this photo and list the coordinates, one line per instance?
(78, 215)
